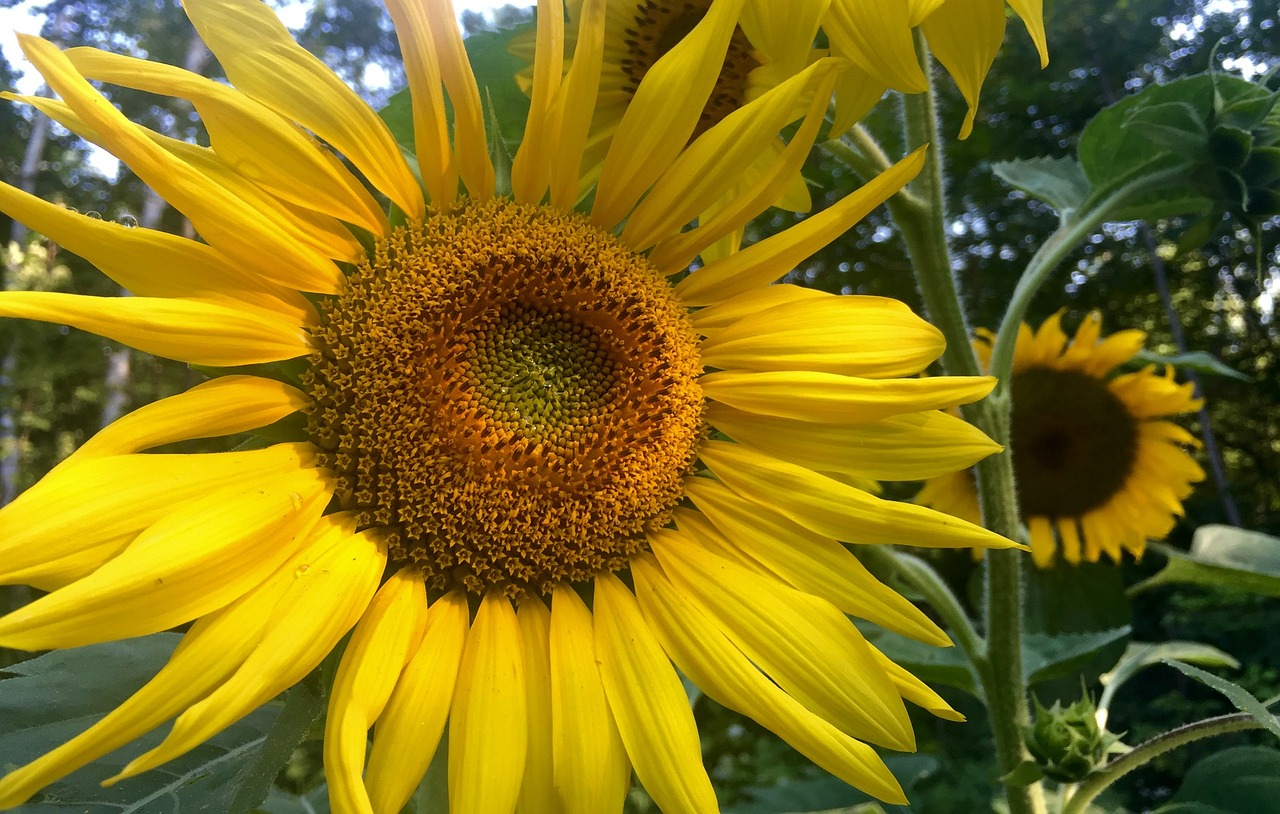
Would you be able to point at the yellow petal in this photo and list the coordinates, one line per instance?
(214, 647)
(965, 36)
(151, 263)
(766, 261)
(783, 33)
(109, 500)
(225, 221)
(836, 510)
(470, 144)
(715, 318)
(223, 406)
(830, 398)
(649, 704)
(531, 169)
(914, 446)
(1032, 14)
(262, 60)
(663, 113)
(264, 148)
(201, 333)
(408, 730)
(720, 670)
(698, 177)
(330, 590)
(538, 791)
(575, 105)
(851, 335)
(591, 768)
(430, 125)
(198, 558)
(857, 92)
(382, 643)
(811, 562)
(488, 734)
(877, 38)
(806, 645)
(1042, 544)
(915, 690)
(919, 9)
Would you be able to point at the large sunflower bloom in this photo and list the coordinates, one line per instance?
(964, 35)
(540, 462)
(1097, 468)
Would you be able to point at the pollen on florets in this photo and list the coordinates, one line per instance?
(510, 394)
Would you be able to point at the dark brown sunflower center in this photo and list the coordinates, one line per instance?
(656, 28)
(510, 393)
(1074, 443)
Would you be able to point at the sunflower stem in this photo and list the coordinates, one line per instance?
(1144, 753)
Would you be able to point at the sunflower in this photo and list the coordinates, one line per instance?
(1097, 468)
(537, 462)
(964, 35)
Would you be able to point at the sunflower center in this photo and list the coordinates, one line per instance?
(658, 25)
(510, 394)
(1074, 443)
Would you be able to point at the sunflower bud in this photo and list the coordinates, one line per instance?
(1067, 742)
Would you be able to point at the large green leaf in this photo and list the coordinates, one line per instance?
(1223, 556)
(1241, 698)
(1046, 656)
(1240, 780)
(1058, 182)
(1140, 655)
(52, 698)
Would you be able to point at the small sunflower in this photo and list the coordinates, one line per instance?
(539, 462)
(1097, 468)
(964, 35)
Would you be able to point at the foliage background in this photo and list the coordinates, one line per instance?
(58, 386)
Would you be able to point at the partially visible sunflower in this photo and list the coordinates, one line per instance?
(1097, 468)
(964, 35)
(541, 461)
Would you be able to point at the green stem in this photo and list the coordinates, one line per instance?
(1144, 753)
(920, 575)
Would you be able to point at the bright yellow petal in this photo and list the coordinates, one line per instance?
(1032, 14)
(201, 333)
(720, 670)
(851, 335)
(830, 398)
(151, 263)
(1043, 547)
(857, 92)
(576, 104)
(915, 690)
(1070, 531)
(488, 734)
(771, 258)
(223, 406)
(965, 36)
(783, 33)
(531, 169)
(110, 500)
(430, 125)
(408, 731)
(264, 148)
(221, 218)
(836, 510)
(809, 561)
(470, 145)
(591, 768)
(876, 36)
(649, 704)
(663, 113)
(698, 177)
(538, 791)
(330, 591)
(914, 446)
(715, 318)
(806, 645)
(262, 60)
(199, 558)
(383, 641)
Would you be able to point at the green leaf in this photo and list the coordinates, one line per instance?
(1237, 695)
(1049, 656)
(56, 696)
(1140, 655)
(1199, 361)
(1239, 780)
(1176, 126)
(303, 706)
(315, 801)
(1058, 182)
(1024, 774)
(1223, 556)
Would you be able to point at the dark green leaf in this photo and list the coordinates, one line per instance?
(315, 801)
(1199, 361)
(1140, 655)
(1175, 126)
(1058, 182)
(1230, 146)
(1049, 656)
(1224, 556)
(303, 706)
(1024, 774)
(1241, 698)
(826, 794)
(1239, 780)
